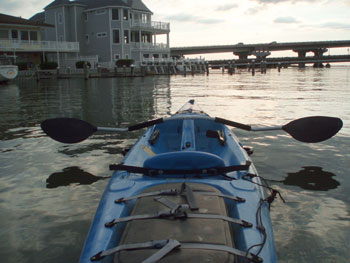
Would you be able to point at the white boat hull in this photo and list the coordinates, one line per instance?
(8, 72)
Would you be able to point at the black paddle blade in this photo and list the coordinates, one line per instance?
(68, 130)
(313, 129)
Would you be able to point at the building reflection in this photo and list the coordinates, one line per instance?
(312, 178)
(71, 175)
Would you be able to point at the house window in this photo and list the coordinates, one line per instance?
(116, 57)
(87, 39)
(100, 11)
(126, 36)
(125, 14)
(144, 18)
(33, 35)
(24, 35)
(101, 34)
(115, 14)
(116, 36)
(14, 34)
(4, 34)
(59, 18)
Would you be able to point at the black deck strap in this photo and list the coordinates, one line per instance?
(154, 193)
(167, 246)
(168, 203)
(154, 172)
(165, 250)
(145, 124)
(150, 244)
(177, 192)
(179, 213)
(231, 197)
(185, 188)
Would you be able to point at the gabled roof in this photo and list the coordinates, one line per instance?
(39, 17)
(93, 4)
(14, 20)
(62, 2)
(139, 5)
(134, 4)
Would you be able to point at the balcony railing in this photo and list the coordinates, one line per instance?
(151, 24)
(37, 46)
(149, 47)
(146, 61)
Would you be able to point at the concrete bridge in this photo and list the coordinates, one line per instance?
(261, 51)
(283, 61)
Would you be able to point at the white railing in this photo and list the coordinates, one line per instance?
(25, 45)
(157, 60)
(161, 25)
(148, 46)
(151, 24)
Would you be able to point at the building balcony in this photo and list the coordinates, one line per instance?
(9, 45)
(157, 27)
(150, 47)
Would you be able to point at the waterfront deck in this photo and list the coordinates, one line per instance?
(8, 45)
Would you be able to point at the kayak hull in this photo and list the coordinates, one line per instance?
(183, 145)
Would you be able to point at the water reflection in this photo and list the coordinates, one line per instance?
(71, 175)
(312, 178)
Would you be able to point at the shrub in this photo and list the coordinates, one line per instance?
(49, 65)
(80, 64)
(124, 62)
(22, 65)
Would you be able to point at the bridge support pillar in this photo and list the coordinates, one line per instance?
(242, 57)
(318, 54)
(301, 55)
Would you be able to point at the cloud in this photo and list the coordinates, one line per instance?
(10, 6)
(195, 19)
(336, 25)
(253, 11)
(226, 7)
(283, 1)
(286, 20)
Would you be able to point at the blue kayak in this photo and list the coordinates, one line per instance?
(187, 191)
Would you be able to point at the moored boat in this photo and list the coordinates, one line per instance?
(187, 191)
(7, 71)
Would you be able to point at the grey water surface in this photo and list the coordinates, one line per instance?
(49, 191)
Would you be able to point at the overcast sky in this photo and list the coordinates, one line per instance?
(223, 22)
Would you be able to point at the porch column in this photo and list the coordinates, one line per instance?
(167, 40)
(140, 38)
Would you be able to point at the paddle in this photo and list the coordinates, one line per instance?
(308, 129)
(70, 130)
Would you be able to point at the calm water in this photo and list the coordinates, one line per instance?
(49, 191)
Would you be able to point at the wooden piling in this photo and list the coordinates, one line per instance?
(86, 71)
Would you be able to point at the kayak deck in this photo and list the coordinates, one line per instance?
(166, 155)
